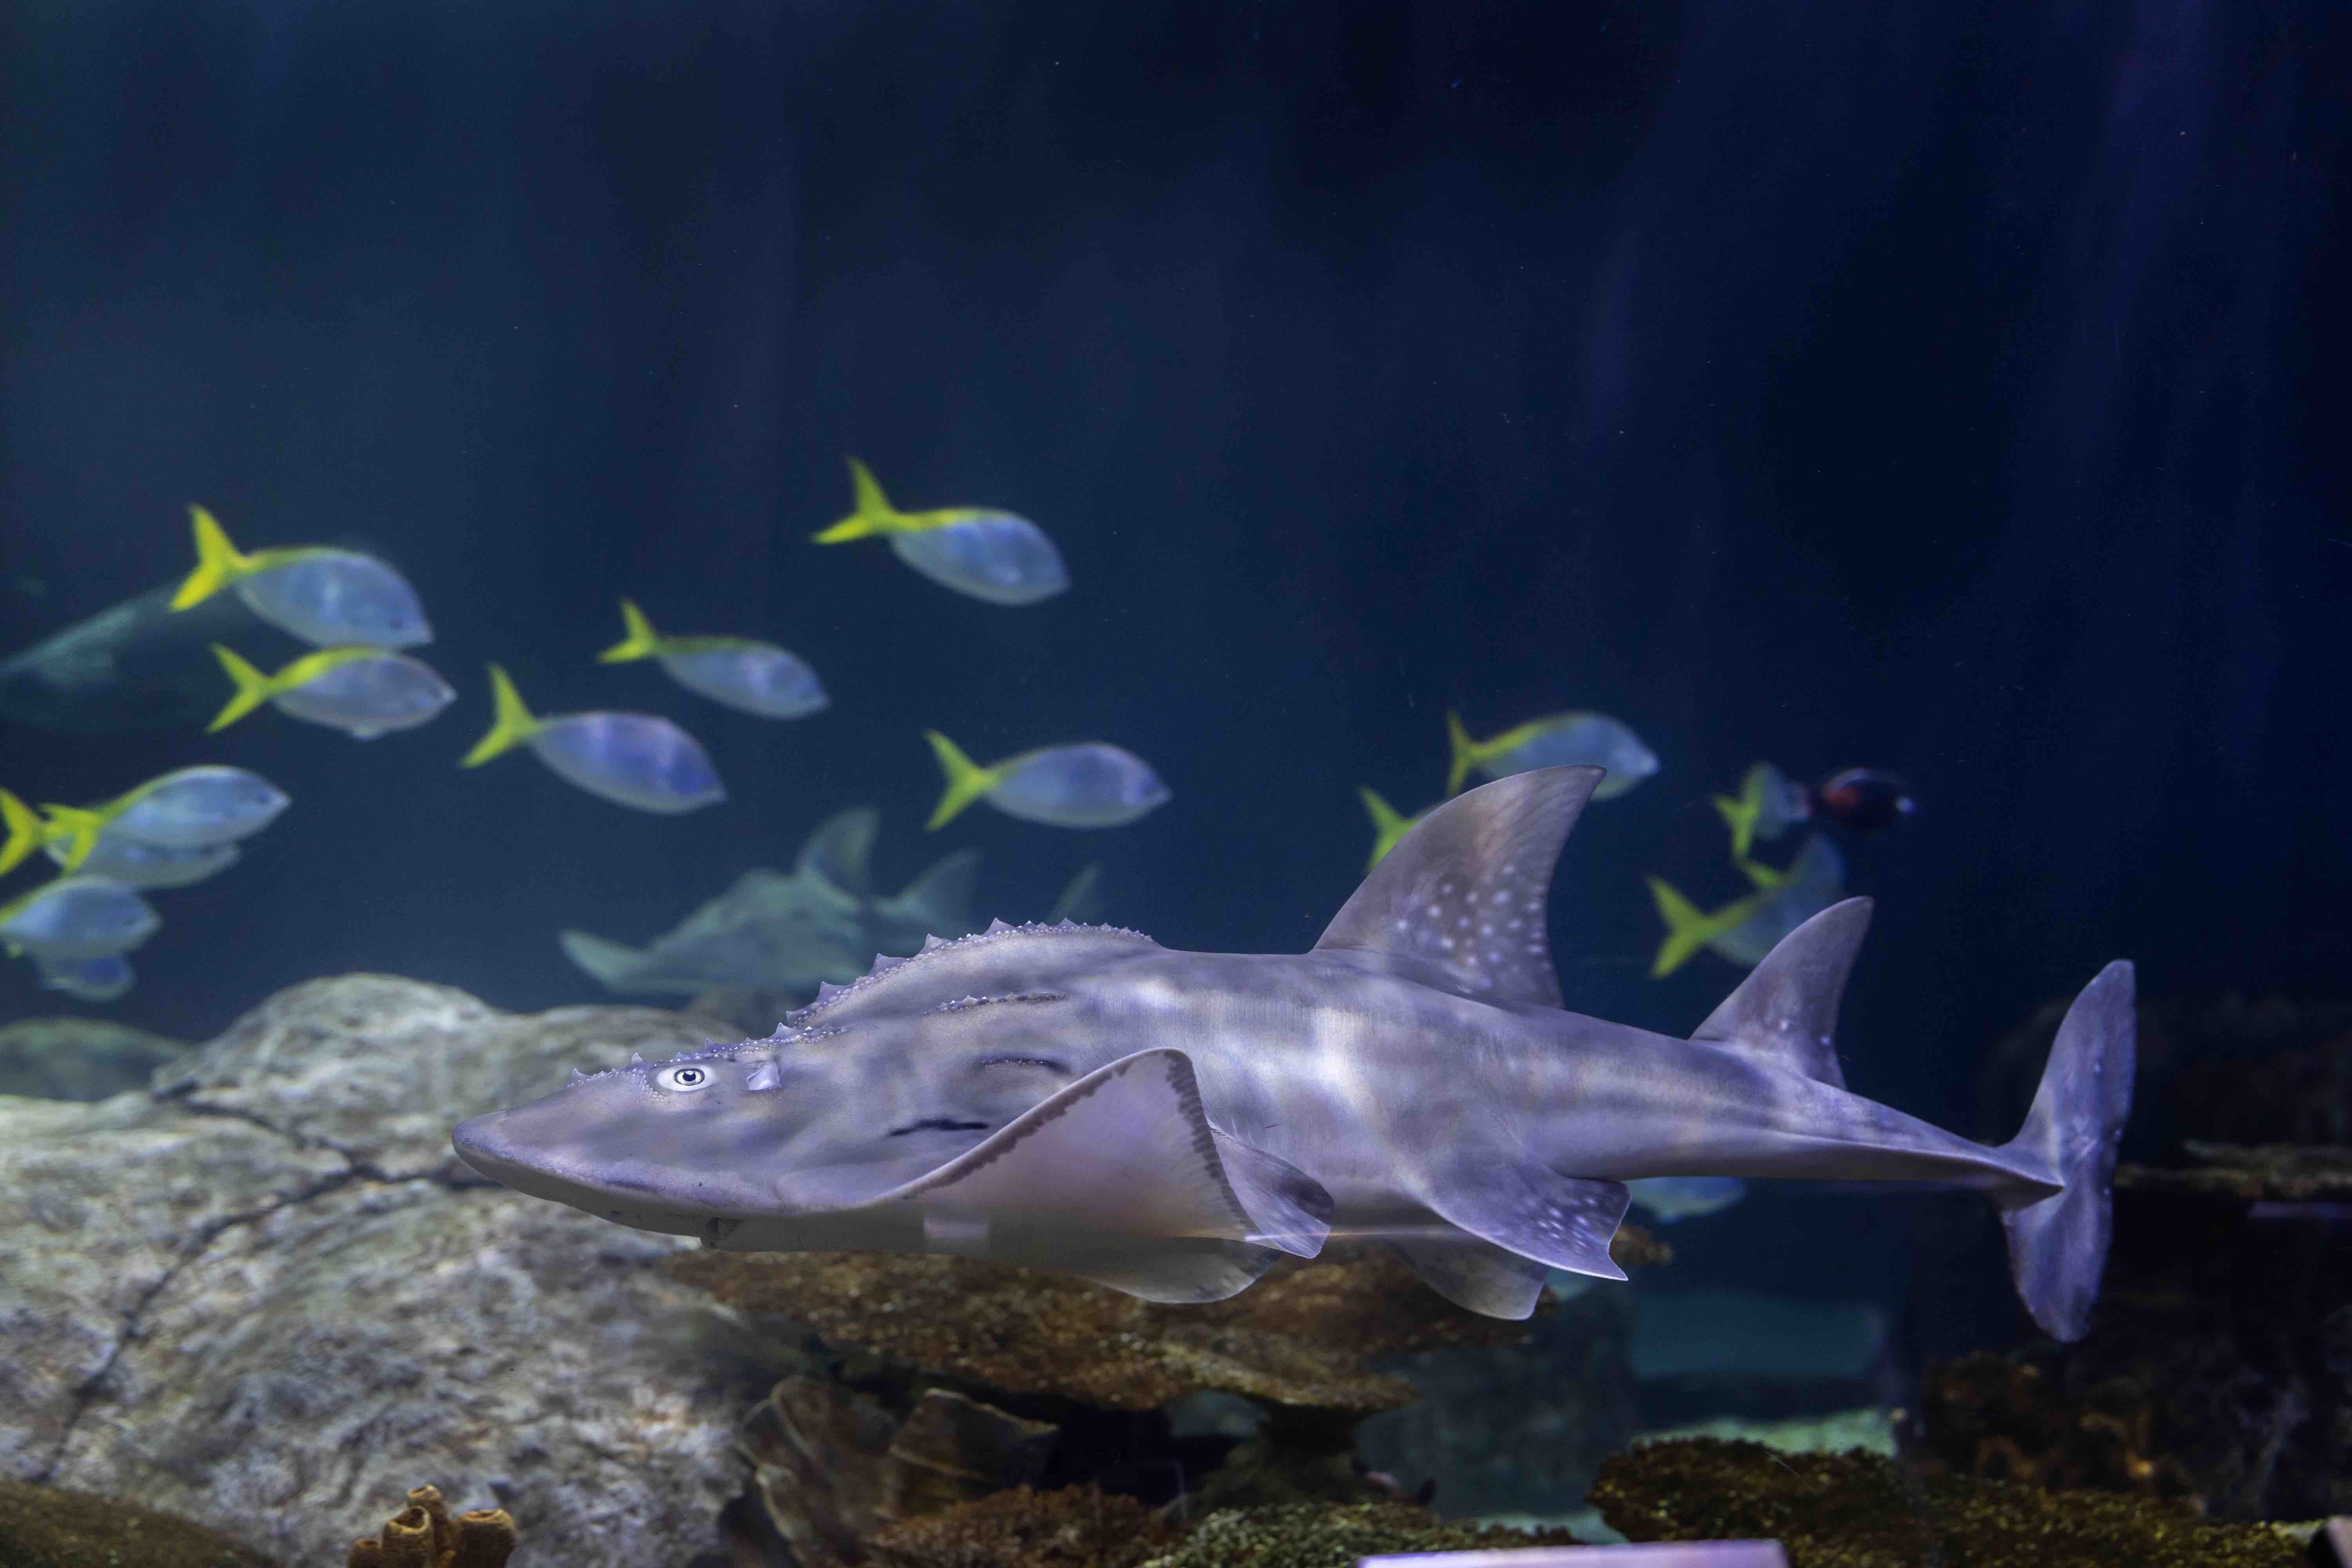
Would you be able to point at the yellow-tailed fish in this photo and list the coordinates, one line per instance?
(988, 554)
(636, 760)
(752, 676)
(26, 832)
(1089, 785)
(1389, 825)
(362, 691)
(326, 596)
(1769, 805)
(77, 917)
(188, 808)
(1555, 739)
(1746, 929)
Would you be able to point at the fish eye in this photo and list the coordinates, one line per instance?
(684, 1080)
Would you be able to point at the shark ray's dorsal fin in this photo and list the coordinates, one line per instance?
(1786, 1011)
(941, 897)
(1015, 960)
(1461, 899)
(842, 849)
(1476, 1274)
(1565, 1222)
(1121, 1178)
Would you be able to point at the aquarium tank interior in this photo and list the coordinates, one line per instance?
(1208, 783)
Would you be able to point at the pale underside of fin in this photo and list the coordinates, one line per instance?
(1476, 1274)
(1119, 1177)
(1785, 1011)
(1460, 903)
(1564, 1222)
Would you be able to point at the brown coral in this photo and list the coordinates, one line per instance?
(1075, 1527)
(833, 1466)
(423, 1535)
(1301, 1336)
(43, 1527)
(2001, 1420)
(1857, 1510)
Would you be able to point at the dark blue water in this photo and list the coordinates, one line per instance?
(1955, 389)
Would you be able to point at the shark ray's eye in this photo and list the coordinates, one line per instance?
(685, 1081)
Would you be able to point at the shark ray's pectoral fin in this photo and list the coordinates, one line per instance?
(1785, 1011)
(1460, 901)
(1119, 1177)
(1476, 1274)
(1562, 1222)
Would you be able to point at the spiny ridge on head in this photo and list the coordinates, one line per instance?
(937, 951)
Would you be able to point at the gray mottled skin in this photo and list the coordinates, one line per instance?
(1081, 1098)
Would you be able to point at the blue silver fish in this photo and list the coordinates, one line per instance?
(630, 759)
(1555, 739)
(1670, 1198)
(1090, 784)
(328, 598)
(75, 918)
(101, 979)
(362, 691)
(187, 808)
(988, 554)
(1084, 1100)
(751, 677)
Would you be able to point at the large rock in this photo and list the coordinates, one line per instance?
(266, 1296)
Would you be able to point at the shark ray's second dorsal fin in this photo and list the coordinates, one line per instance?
(941, 897)
(1017, 960)
(1460, 901)
(842, 849)
(1786, 1011)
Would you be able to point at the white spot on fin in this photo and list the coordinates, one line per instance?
(1496, 844)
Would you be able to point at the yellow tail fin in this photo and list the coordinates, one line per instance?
(873, 515)
(967, 780)
(1463, 749)
(512, 726)
(1389, 825)
(1740, 816)
(642, 641)
(218, 563)
(79, 827)
(26, 833)
(253, 688)
(1688, 930)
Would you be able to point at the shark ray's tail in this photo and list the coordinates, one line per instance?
(2058, 1241)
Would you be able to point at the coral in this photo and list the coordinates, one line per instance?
(43, 1528)
(1075, 1527)
(1858, 1511)
(1300, 1336)
(1332, 1535)
(832, 1467)
(1999, 1419)
(423, 1535)
(1633, 1247)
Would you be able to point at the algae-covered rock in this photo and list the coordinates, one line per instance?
(1333, 1535)
(67, 1057)
(1074, 1527)
(1859, 1510)
(1299, 1336)
(269, 1287)
(41, 1527)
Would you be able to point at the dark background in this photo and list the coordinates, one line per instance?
(1956, 388)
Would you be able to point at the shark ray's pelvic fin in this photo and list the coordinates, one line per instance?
(1565, 1222)
(1476, 1274)
(1786, 1011)
(1460, 901)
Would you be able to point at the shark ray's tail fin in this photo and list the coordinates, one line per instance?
(2058, 1241)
